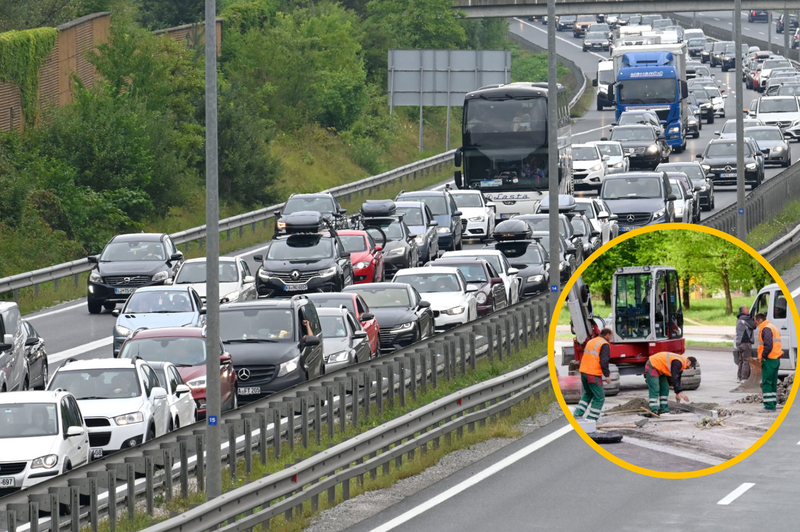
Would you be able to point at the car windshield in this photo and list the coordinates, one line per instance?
(255, 324)
(789, 90)
(520, 254)
(158, 301)
(677, 188)
(180, 351)
(764, 134)
(702, 71)
(494, 260)
(472, 272)
(633, 134)
(771, 64)
(612, 150)
(301, 247)
(779, 105)
(195, 272)
(730, 125)
(299, 204)
(587, 18)
(626, 119)
(436, 204)
(697, 42)
(586, 209)
(693, 171)
(595, 36)
(392, 230)
(133, 251)
(354, 243)
(100, 383)
(430, 282)
(333, 326)
(382, 297)
(321, 300)
(584, 153)
(700, 94)
(412, 215)
(467, 200)
(632, 187)
(28, 420)
(713, 92)
(721, 149)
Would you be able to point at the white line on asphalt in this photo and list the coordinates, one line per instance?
(761, 33)
(560, 38)
(486, 473)
(715, 18)
(796, 293)
(81, 349)
(589, 131)
(735, 494)
(45, 314)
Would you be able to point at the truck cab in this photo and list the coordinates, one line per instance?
(772, 302)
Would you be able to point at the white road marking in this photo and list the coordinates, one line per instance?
(761, 33)
(796, 293)
(735, 494)
(52, 312)
(81, 349)
(715, 18)
(589, 131)
(561, 38)
(486, 473)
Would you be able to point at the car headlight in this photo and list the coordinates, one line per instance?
(281, 225)
(706, 167)
(443, 230)
(229, 298)
(653, 148)
(778, 148)
(45, 462)
(95, 277)
(675, 129)
(478, 219)
(129, 419)
(535, 278)
(289, 366)
(692, 122)
(796, 123)
(659, 214)
(341, 356)
(330, 272)
(561, 266)
(419, 239)
(404, 327)
(596, 168)
(160, 276)
(480, 298)
(396, 252)
(703, 188)
(750, 166)
(617, 165)
(199, 382)
(455, 311)
(122, 331)
(263, 275)
(361, 265)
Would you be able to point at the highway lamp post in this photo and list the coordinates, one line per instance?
(552, 154)
(787, 24)
(741, 220)
(769, 29)
(213, 458)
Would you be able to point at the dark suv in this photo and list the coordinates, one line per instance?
(322, 203)
(127, 263)
(719, 162)
(639, 199)
(444, 210)
(758, 15)
(792, 23)
(306, 259)
(275, 344)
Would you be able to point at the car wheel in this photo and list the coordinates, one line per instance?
(787, 163)
(109, 306)
(599, 106)
(710, 119)
(94, 308)
(171, 426)
(44, 377)
(151, 433)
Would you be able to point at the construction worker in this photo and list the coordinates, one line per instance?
(594, 371)
(769, 354)
(658, 369)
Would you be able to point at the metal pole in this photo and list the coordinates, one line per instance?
(769, 29)
(787, 23)
(741, 221)
(552, 151)
(213, 394)
(447, 136)
(421, 88)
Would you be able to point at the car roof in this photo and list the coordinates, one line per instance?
(332, 311)
(762, 128)
(587, 145)
(262, 303)
(203, 259)
(635, 174)
(102, 363)
(351, 232)
(312, 195)
(460, 191)
(354, 287)
(470, 253)
(139, 237)
(32, 396)
(164, 288)
(328, 295)
(422, 193)
(170, 332)
(428, 269)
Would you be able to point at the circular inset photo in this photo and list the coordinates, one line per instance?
(675, 350)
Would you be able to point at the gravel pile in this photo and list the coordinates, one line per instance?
(633, 404)
(784, 388)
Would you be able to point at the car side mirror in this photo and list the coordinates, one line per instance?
(602, 214)
(672, 197)
(360, 334)
(75, 431)
(367, 316)
(724, 95)
(182, 389)
(717, 133)
(472, 288)
(613, 123)
(606, 157)
(496, 280)
(258, 258)
(613, 217)
(456, 213)
(8, 342)
(158, 392)
(310, 341)
(433, 223)
(698, 155)
(94, 259)
(176, 256)
(379, 248)
(513, 271)
(424, 304)
(342, 212)
(202, 311)
(115, 313)
(661, 136)
(248, 279)
(31, 341)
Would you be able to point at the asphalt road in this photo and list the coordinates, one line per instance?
(724, 20)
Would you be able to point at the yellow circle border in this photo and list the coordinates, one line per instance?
(554, 375)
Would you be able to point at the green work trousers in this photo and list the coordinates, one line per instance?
(769, 382)
(593, 397)
(657, 390)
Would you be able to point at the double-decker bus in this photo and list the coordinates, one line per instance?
(504, 151)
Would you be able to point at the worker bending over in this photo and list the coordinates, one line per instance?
(658, 369)
(769, 354)
(594, 371)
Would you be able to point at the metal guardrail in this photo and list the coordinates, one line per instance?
(86, 494)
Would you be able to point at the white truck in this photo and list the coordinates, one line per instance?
(771, 302)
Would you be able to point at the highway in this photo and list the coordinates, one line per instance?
(724, 20)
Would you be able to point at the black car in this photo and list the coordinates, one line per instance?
(306, 259)
(779, 23)
(566, 261)
(513, 238)
(590, 238)
(36, 356)
(565, 22)
(728, 57)
(639, 199)
(642, 145)
(491, 294)
(758, 15)
(719, 162)
(386, 226)
(445, 212)
(703, 101)
(695, 46)
(541, 222)
(697, 176)
(323, 203)
(595, 40)
(404, 318)
(274, 343)
(705, 54)
(716, 52)
(127, 263)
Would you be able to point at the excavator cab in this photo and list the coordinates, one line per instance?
(646, 304)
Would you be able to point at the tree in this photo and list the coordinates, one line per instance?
(27, 14)
(420, 23)
(160, 14)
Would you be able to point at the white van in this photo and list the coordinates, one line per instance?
(772, 302)
(604, 81)
(13, 365)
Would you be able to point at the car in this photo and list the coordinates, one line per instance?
(14, 370)
(773, 145)
(781, 79)
(420, 221)
(612, 19)
(766, 70)
(694, 124)
(307, 258)
(728, 57)
(477, 211)
(157, 306)
(662, 24)
(36, 357)
(121, 400)
(444, 210)
(274, 343)
(617, 162)
(643, 147)
(694, 171)
(692, 193)
(684, 202)
(715, 96)
(788, 89)
(345, 342)
(182, 408)
(129, 262)
(676, 29)
(589, 167)
(693, 33)
(507, 273)
(365, 255)
(185, 347)
(43, 435)
(565, 22)
(404, 317)
(719, 162)
(566, 261)
(600, 216)
(590, 238)
(400, 249)
(728, 130)
(781, 111)
(636, 117)
(581, 24)
(600, 27)
(717, 51)
(753, 66)
(595, 40)
(705, 55)
(702, 71)
(513, 239)
(796, 39)
(236, 283)
(647, 20)
(779, 23)
(639, 199)
(358, 308)
(696, 46)
(321, 202)
(491, 294)
(703, 101)
(541, 222)
(758, 15)
(452, 299)
(604, 82)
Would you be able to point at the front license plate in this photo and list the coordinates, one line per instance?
(728, 175)
(7, 482)
(249, 391)
(124, 290)
(508, 215)
(295, 287)
(97, 453)
(626, 229)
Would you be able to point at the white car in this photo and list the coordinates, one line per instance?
(767, 68)
(716, 98)
(781, 111)
(600, 216)
(121, 400)
(693, 34)
(728, 130)
(477, 211)
(588, 167)
(236, 283)
(43, 434)
(500, 263)
(445, 288)
(182, 408)
(617, 162)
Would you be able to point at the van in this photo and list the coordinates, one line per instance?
(13, 368)
(772, 302)
(604, 82)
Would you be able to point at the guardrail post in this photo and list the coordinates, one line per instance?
(434, 359)
(391, 391)
(342, 385)
(524, 317)
(346, 485)
(507, 334)
(232, 461)
(167, 452)
(401, 374)
(367, 378)
(183, 454)
(149, 473)
(315, 497)
(10, 520)
(354, 400)
(289, 404)
(398, 460)
(248, 445)
(275, 406)
(304, 419)
(288, 514)
(319, 393)
(490, 340)
(200, 465)
(423, 372)
(331, 497)
(462, 361)
(379, 388)
(446, 353)
(21, 512)
(263, 443)
(46, 502)
(412, 362)
(75, 508)
(473, 348)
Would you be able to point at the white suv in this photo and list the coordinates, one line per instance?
(589, 166)
(781, 111)
(121, 399)
(445, 288)
(477, 211)
(43, 434)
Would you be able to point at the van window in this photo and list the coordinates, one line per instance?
(780, 312)
(12, 320)
(762, 305)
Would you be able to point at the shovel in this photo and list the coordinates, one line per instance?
(637, 425)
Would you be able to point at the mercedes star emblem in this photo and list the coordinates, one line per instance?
(728, 168)
(631, 218)
(295, 275)
(243, 374)
(126, 280)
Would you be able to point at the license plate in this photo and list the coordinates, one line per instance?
(728, 175)
(249, 391)
(626, 229)
(295, 287)
(124, 290)
(97, 453)
(7, 482)
(508, 215)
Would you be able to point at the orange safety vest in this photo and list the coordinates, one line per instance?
(590, 362)
(777, 348)
(661, 362)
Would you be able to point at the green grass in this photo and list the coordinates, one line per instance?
(585, 102)
(695, 343)
(765, 233)
(703, 311)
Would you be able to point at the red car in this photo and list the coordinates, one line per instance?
(184, 347)
(367, 256)
(358, 307)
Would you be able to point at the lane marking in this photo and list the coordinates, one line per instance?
(795, 294)
(560, 38)
(735, 494)
(486, 473)
(81, 349)
(590, 131)
(52, 312)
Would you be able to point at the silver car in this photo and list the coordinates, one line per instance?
(684, 202)
(344, 340)
(728, 131)
(617, 161)
(772, 144)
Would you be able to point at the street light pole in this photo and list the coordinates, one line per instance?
(741, 220)
(552, 155)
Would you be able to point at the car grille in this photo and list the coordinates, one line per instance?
(99, 439)
(639, 218)
(286, 277)
(387, 337)
(777, 123)
(629, 151)
(258, 374)
(723, 169)
(12, 468)
(579, 174)
(134, 280)
(97, 422)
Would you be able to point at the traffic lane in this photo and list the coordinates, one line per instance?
(724, 20)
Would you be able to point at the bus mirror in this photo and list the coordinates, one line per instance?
(458, 179)
(457, 158)
(594, 82)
